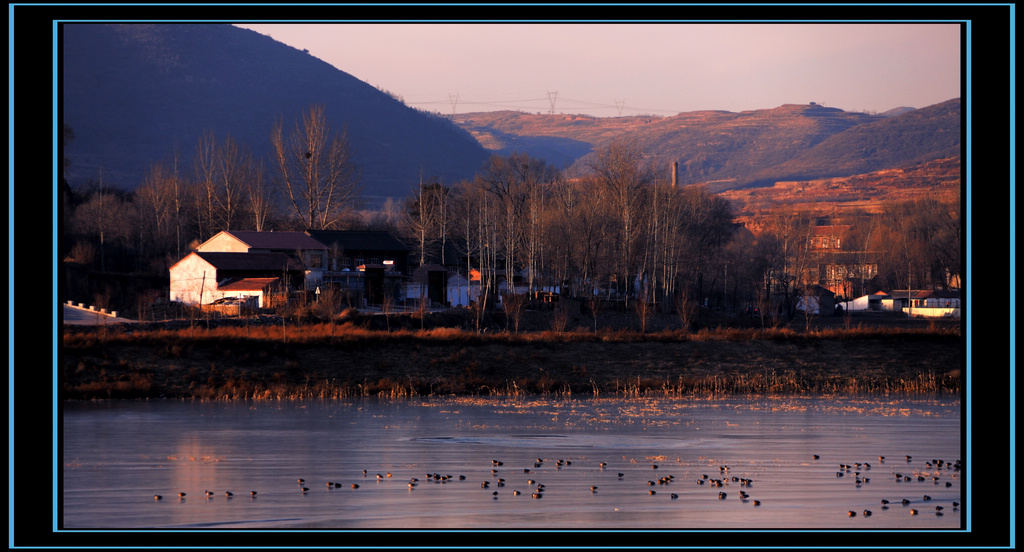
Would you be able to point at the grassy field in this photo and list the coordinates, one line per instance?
(288, 360)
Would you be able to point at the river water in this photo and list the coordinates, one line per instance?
(513, 463)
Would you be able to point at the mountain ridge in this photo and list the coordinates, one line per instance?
(729, 150)
(134, 93)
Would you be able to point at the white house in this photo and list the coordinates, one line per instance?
(871, 302)
(202, 277)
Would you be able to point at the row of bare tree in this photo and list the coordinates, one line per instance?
(617, 228)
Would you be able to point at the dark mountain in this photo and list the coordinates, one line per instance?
(730, 150)
(134, 93)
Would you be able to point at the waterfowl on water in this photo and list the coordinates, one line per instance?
(851, 513)
(913, 512)
(253, 493)
(674, 496)
(157, 497)
(302, 480)
(304, 489)
(757, 503)
(593, 488)
(905, 502)
(816, 457)
(355, 486)
(181, 495)
(209, 493)
(867, 513)
(229, 494)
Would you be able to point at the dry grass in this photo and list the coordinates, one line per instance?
(318, 360)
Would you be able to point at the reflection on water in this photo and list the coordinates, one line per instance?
(514, 463)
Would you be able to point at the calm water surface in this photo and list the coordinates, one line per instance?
(652, 463)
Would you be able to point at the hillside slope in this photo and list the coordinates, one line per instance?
(729, 150)
(133, 94)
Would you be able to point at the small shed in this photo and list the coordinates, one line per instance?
(816, 299)
(431, 281)
(872, 302)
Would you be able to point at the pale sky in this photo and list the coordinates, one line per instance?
(629, 69)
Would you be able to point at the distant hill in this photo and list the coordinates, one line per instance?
(939, 179)
(134, 93)
(729, 150)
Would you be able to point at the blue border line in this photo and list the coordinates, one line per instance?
(968, 317)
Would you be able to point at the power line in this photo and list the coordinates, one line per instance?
(530, 104)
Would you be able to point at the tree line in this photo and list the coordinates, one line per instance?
(617, 228)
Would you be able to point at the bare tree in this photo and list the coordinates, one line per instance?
(315, 170)
(622, 172)
(514, 304)
(644, 307)
(260, 197)
(686, 308)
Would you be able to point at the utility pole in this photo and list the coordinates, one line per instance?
(552, 96)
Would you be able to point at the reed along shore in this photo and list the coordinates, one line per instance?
(316, 360)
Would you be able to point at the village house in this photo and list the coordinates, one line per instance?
(201, 277)
(835, 265)
(925, 303)
(307, 251)
(366, 266)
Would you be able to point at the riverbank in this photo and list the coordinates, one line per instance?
(313, 360)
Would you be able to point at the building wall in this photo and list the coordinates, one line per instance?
(192, 280)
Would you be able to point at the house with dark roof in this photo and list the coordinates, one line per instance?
(201, 277)
(311, 253)
(365, 266)
(352, 249)
(371, 265)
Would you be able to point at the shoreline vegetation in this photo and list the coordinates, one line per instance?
(286, 360)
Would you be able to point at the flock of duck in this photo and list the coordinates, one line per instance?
(936, 471)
